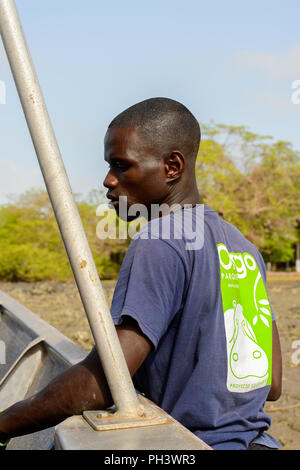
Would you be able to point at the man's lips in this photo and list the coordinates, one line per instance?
(114, 201)
(112, 198)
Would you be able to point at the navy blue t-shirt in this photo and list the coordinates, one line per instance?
(198, 293)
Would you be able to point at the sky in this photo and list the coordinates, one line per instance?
(231, 62)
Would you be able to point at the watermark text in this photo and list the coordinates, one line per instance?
(167, 222)
(295, 98)
(2, 352)
(2, 92)
(296, 353)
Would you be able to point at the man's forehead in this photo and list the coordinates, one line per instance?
(124, 138)
(119, 133)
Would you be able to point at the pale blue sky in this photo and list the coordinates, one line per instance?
(233, 62)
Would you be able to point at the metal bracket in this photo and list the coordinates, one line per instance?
(103, 420)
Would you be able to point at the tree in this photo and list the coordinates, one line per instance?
(253, 183)
(31, 248)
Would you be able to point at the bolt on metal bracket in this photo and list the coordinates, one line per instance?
(147, 415)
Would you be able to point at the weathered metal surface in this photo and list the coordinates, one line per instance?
(75, 433)
(25, 352)
(24, 326)
(36, 353)
(16, 386)
(65, 209)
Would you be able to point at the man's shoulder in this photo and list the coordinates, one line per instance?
(177, 228)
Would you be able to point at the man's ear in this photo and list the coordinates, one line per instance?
(174, 165)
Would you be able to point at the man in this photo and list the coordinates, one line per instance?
(197, 339)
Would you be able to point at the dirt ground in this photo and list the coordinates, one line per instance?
(59, 304)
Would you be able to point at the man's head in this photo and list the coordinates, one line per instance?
(151, 148)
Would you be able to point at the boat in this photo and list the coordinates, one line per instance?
(32, 354)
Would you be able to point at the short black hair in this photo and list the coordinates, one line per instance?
(167, 124)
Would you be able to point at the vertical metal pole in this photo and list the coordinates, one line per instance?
(66, 212)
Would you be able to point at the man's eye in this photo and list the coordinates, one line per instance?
(119, 165)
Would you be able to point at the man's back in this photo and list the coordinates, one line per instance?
(206, 312)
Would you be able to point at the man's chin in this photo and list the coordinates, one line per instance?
(125, 217)
(128, 212)
(123, 214)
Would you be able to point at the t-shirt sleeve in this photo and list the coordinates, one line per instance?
(150, 287)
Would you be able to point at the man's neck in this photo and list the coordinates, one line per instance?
(187, 194)
(177, 201)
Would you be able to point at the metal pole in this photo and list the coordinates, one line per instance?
(66, 212)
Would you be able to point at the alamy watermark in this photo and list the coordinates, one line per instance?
(2, 92)
(296, 354)
(177, 222)
(2, 352)
(295, 97)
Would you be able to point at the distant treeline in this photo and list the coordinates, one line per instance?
(31, 247)
(254, 183)
(250, 180)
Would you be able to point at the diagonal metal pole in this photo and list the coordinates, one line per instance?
(66, 212)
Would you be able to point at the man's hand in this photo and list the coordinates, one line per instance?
(3, 442)
(81, 387)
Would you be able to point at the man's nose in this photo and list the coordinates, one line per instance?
(110, 180)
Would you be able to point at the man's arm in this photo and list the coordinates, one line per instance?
(81, 387)
(275, 390)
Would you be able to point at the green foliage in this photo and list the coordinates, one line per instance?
(31, 248)
(248, 179)
(253, 183)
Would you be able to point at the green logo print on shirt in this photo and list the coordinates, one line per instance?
(248, 322)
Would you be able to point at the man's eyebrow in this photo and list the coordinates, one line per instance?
(112, 158)
(109, 157)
